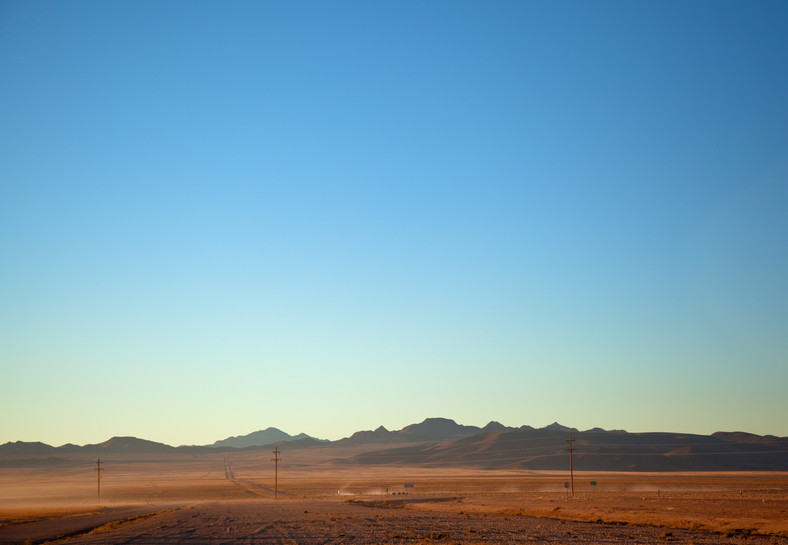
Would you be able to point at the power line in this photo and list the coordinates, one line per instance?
(99, 469)
(571, 468)
(276, 459)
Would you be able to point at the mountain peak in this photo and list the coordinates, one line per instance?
(493, 426)
(128, 444)
(381, 434)
(433, 422)
(258, 438)
(437, 429)
(555, 426)
(24, 447)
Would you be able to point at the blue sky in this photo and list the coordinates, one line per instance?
(324, 217)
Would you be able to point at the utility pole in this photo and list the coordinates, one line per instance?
(276, 459)
(571, 469)
(99, 469)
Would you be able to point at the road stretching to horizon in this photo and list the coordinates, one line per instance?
(249, 486)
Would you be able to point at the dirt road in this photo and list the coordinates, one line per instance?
(251, 487)
(291, 521)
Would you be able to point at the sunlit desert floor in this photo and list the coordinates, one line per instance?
(219, 500)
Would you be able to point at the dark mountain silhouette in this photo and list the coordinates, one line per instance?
(442, 429)
(493, 426)
(555, 426)
(125, 445)
(440, 442)
(261, 438)
(430, 430)
(380, 435)
(438, 429)
(596, 451)
(21, 454)
(26, 448)
(257, 438)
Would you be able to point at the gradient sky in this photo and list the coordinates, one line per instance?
(217, 217)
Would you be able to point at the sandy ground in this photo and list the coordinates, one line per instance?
(220, 499)
(309, 521)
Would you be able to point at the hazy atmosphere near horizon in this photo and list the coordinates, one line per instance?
(330, 216)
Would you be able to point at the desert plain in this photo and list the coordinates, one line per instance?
(239, 498)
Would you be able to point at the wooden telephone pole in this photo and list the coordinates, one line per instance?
(571, 469)
(276, 459)
(99, 469)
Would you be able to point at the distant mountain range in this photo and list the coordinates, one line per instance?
(440, 442)
(261, 438)
(594, 450)
(133, 445)
(432, 429)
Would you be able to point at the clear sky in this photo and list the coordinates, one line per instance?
(217, 217)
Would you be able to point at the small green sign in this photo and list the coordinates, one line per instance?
(593, 483)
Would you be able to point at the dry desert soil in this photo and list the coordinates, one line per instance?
(219, 499)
